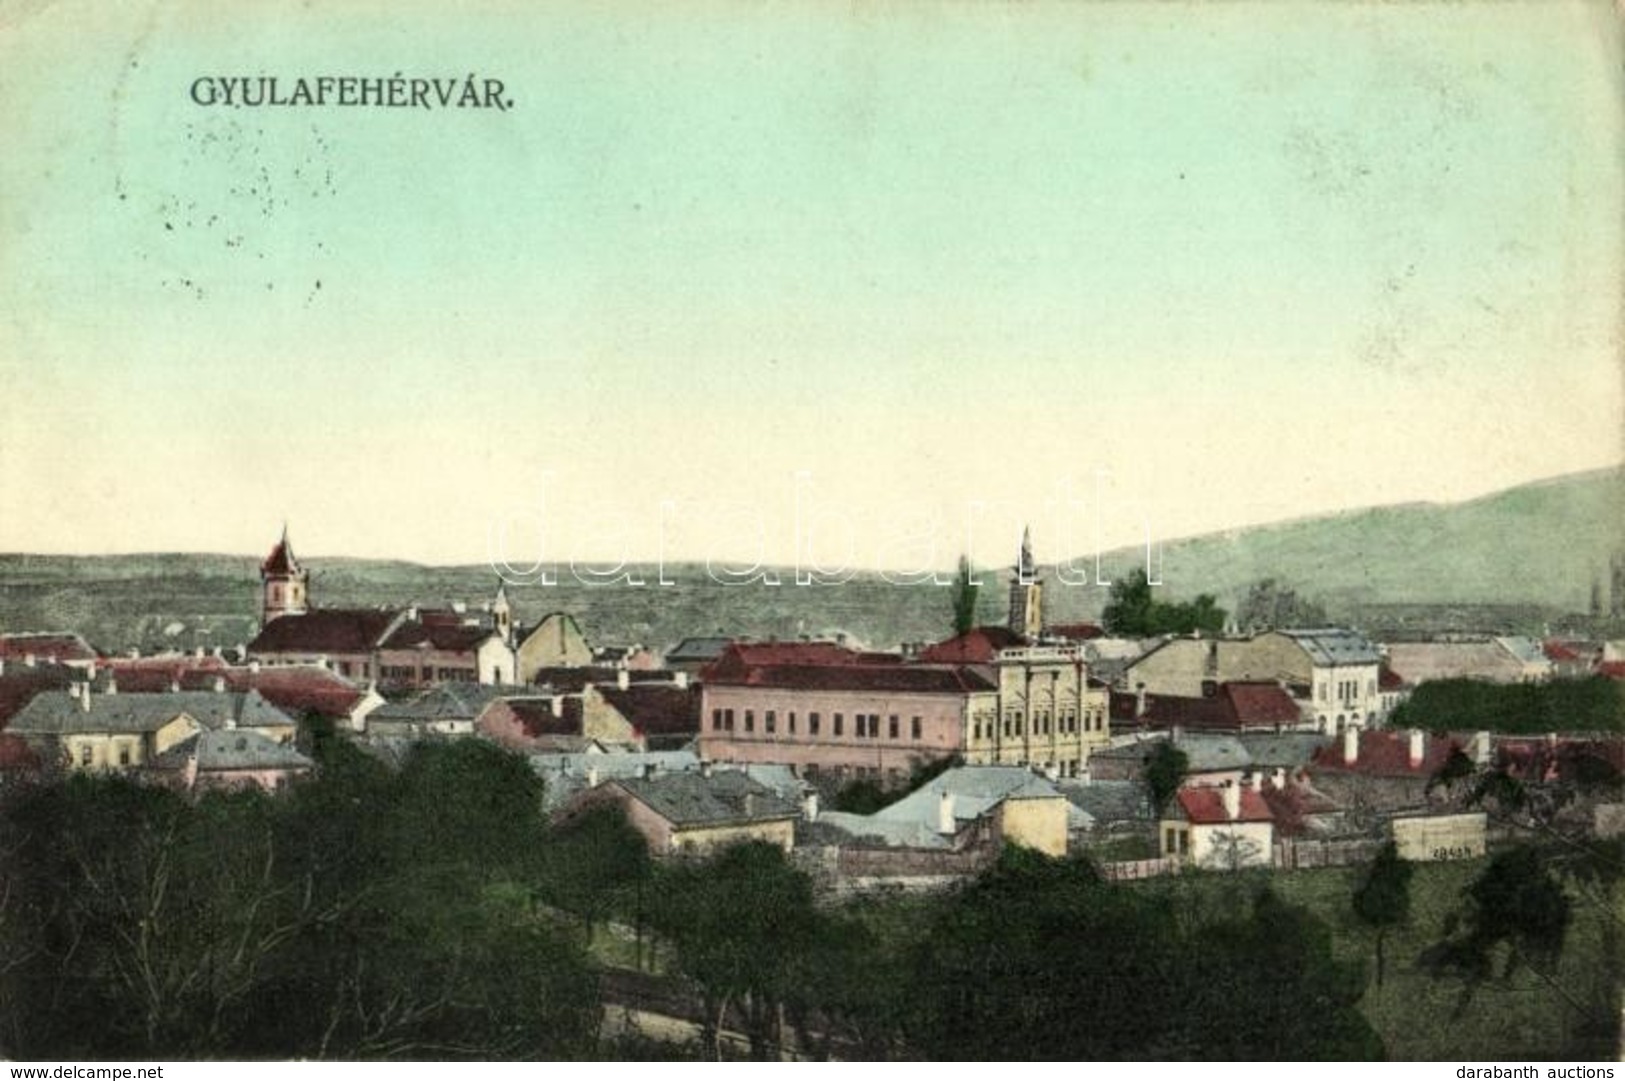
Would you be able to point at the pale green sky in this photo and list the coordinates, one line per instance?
(1256, 261)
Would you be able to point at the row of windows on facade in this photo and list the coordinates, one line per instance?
(865, 725)
(1015, 726)
(1349, 689)
(408, 673)
(87, 754)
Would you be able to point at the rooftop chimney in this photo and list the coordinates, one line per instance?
(253, 668)
(809, 805)
(1481, 748)
(219, 684)
(84, 697)
(705, 769)
(28, 660)
(112, 684)
(1231, 794)
(623, 678)
(679, 679)
(1139, 700)
(557, 703)
(1416, 747)
(1280, 777)
(945, 814)
(1351, 746)
(592, 776)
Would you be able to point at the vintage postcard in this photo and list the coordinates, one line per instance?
(804, 531)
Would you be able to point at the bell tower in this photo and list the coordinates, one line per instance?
(1026, 593)
(502, 614)
(283, 583)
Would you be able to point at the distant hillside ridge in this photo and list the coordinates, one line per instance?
(1543, 543)
(1538, 546)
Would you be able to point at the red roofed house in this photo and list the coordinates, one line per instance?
(1383, 770)
(996, 695)
(405, 648)
(867, 720)
(1237, 706)
(58, 647)
(542, 724)
(979, 645)
(1228, 827)
(297, 690)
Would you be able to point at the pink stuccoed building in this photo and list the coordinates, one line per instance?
(859, 719)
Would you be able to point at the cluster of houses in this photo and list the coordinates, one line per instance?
(1051, 727)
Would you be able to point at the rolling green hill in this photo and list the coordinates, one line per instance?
(1540, 544)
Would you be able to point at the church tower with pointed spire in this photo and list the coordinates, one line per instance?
(284, 584)
(502, 614)
(1026, 593)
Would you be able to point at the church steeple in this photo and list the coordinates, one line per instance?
(502, 614)
(283, 583)
(1026, 593)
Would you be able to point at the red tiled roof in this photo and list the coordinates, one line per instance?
(46, 647)
(1257, 704)
(19, 685)
(1389, 680)
(915, 679)
(1387, 754)
(436, 634)
(15, 754)
(281, 560)
(739, 656)
(1291, 805)
(1537, 758)
(656, 709)
(535, 716)
(1558, 651)
(979, 645)
(325, 630)
(1612, 669)
(1078, 632)
(1205, 807)
(1167, 710)
(1234, 706)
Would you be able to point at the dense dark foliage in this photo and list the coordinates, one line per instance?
(1561, 705)
(1382, 900)
(367, 914)
(1040, 958)
(1133, 612)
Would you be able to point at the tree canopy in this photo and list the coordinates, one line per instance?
(1595, 704)
(1132, 611)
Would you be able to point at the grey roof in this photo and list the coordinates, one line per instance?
(627, 764)
(879, 831)
(704, 648)
(1108, 802)
(1211, 751)
(912, 821)
(694, 799)
(445, 702)
(230, 749)
(1526, 650)
(62, 714)
(1290, 750)
(1334, 645)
